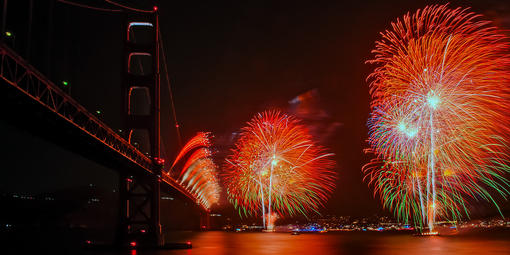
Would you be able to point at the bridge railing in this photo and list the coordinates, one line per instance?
(15, 71)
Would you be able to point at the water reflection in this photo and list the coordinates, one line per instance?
(224, 243)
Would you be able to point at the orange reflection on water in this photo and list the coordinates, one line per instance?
(360, 243)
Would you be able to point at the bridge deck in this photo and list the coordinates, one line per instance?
(29, 84)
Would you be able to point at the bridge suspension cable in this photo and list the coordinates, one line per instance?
(177, 127)
(89, 7)
(172, 103)
(131, 8)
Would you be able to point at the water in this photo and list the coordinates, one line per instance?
(216, 243)
(343, 243)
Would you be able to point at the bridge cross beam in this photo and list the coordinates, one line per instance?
(139, 218)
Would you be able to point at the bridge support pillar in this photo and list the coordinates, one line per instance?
(139, 212)
(205, 221)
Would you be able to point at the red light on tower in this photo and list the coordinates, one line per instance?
(132, 244)
(155, 8)
(160, 161)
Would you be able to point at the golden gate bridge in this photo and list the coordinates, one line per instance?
(51, 112)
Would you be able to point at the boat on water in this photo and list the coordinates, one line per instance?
(433, 233)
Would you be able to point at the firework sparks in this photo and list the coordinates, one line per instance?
(439, 120)
(198, 173)
(277, 169)
(200, 140)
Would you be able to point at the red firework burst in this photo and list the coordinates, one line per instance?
(198, 173)
(439, 121)
(277, 167)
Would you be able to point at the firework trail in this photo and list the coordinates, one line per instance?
(439, 114)
(198, 173)
(200, 140)
(277, 169)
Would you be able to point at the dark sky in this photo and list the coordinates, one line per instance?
(227, 61)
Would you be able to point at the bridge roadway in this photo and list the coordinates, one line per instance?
(30, 101)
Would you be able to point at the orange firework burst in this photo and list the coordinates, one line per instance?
(439, 121)
(276, 167)
(198, 173)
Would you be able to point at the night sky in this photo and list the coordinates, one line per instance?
(227, 61)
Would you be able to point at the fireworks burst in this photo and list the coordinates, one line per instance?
(198, 173)
(277, 168)
(439, 119)
(200, 140)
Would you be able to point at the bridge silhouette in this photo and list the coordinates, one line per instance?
(50, 112)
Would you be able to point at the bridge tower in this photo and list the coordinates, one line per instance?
(140, 196)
